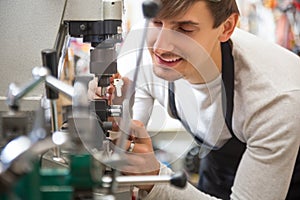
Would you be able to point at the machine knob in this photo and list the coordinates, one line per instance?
(150, 9)
(179, 179)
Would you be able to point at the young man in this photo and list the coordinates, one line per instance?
(200, 56)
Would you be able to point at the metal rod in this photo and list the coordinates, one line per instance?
(142, 180)
(68, 90)
(125, 122)
(56, 150)
(25, 90)
(16, 94)
(60, 86)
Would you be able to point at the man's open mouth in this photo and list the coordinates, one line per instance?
(168, 61)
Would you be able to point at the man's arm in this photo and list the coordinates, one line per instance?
(142, 161)
(167, 191)
(272, 135)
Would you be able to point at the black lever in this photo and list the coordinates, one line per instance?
(49, 58)
(150, 8)
(179, 179)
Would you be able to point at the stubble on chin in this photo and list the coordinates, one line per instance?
(166, 74)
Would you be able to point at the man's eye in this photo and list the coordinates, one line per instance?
(157, 23)
(184, 30)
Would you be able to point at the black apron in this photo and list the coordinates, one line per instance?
(217, 169)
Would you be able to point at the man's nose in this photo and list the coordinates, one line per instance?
(164, 40)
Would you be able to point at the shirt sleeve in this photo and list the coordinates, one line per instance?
(143, 106)
(272, 135)
(167, 191)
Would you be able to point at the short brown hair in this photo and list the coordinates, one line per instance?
(220, 10)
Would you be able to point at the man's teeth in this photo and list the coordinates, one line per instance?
(171, 60)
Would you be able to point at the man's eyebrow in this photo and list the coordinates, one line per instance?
(189, 22)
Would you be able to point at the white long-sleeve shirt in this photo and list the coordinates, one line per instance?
(266, 117)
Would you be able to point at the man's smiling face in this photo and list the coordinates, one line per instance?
(171, 48)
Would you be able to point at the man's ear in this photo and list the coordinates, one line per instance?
(228, 27)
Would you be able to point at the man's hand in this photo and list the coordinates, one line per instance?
(94, 92)
(141, 158)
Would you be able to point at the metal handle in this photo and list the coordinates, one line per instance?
(178, 179)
